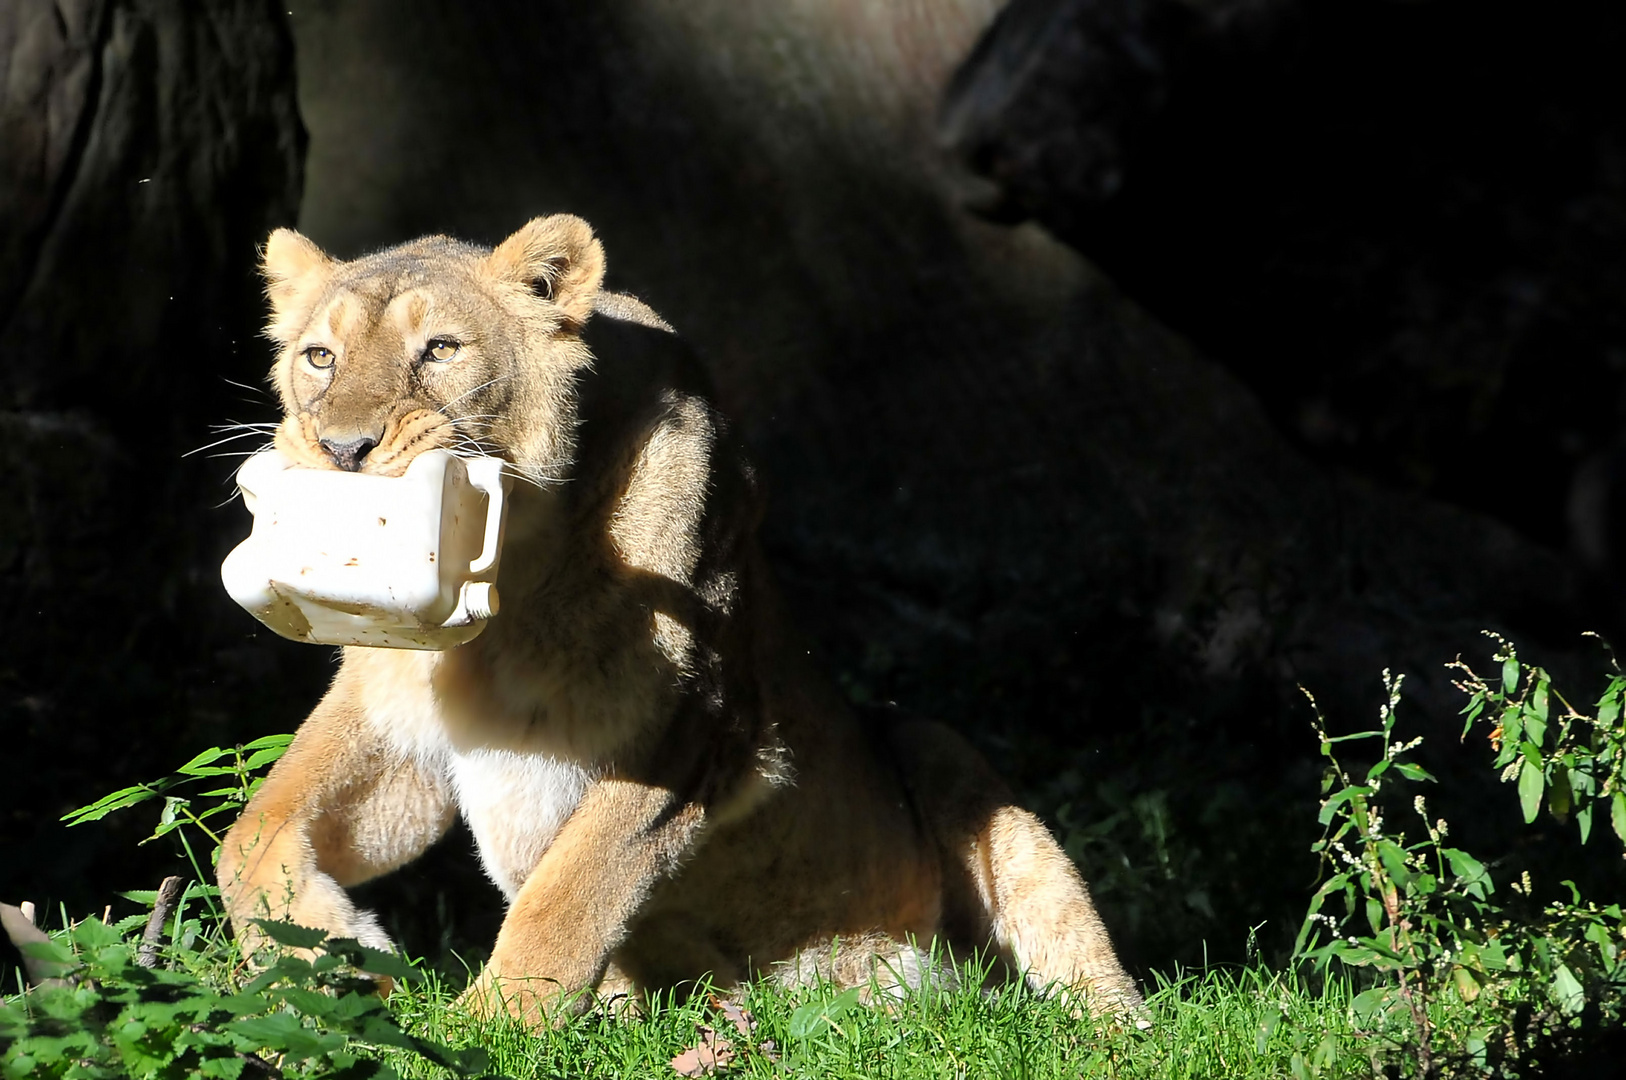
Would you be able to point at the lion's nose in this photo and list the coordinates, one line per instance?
(348, 455)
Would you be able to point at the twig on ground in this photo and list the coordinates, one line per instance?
(169, 894)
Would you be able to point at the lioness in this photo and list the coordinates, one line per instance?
(658, 780)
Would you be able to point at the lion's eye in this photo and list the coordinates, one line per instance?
(318, 357)
(441, 349)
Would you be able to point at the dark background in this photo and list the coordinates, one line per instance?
(1116, 366)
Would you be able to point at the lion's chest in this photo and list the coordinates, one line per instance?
(515, 803)
(515, 800)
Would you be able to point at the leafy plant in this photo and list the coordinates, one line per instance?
(1569, 760)
(111, 1012)
(109, 1016)
(1422, 920)
(240, 776)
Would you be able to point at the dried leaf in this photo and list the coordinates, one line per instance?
(735, 1014)
(706, 1057)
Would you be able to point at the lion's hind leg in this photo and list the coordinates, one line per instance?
(1041, 915)
(1007, 884)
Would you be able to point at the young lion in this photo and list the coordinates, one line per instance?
(658, 781)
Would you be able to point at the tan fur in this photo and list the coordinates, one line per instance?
(657, 779)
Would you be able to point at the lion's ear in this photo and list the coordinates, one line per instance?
(557, 256)
(293, 268)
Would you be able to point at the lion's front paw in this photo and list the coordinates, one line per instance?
(319, 905)
(532, 1000)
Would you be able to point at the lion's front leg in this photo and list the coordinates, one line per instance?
(574, 909)
(341, 806)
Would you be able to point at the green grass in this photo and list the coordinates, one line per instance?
(1243, 1023)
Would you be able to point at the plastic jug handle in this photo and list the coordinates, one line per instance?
(488, 477)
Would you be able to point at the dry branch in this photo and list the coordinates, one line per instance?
(169, 894)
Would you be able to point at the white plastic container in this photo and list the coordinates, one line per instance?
(340, 558)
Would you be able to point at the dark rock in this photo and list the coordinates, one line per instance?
(149, 146)
(1395, 221)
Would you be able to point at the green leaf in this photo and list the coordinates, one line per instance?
(1468, 982)
(1475, 706)
(1535, 726)
(1394, 862)
(55, 959)
(1583, 818)
(92, 933)
(1330, 807)
(1510, 675)
(1470, 873)
(1582, 781)
(130, 922)
(372, 961)
(118, 800)
(268, 742)
(194, 767)
(1609, 704)
(1374, 913)
(262, 757)
(284, 1033)
(1267, 1028)
(1414, 772)
(286, 933)
(1531, 784)
(1539, 700)
(143, 1051)
(222, 1068)
(1371, 1005)
(1617, 814)
(312, 1003)
(352, 1005)
(1363, 956)
(1558, 792)
(1567, 991)
(1512, 725)
(1326, 1052)
(814, 1017)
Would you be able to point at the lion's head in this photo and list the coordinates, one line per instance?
(434, 343)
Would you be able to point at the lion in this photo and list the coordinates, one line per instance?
(658, 779)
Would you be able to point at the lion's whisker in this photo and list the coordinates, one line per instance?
(475, 390)
(222, 442)
(238, 425)
(244, 386)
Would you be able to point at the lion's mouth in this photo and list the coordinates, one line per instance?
(385, 451)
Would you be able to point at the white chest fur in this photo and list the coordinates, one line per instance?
(515, 801)
(515, 804)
